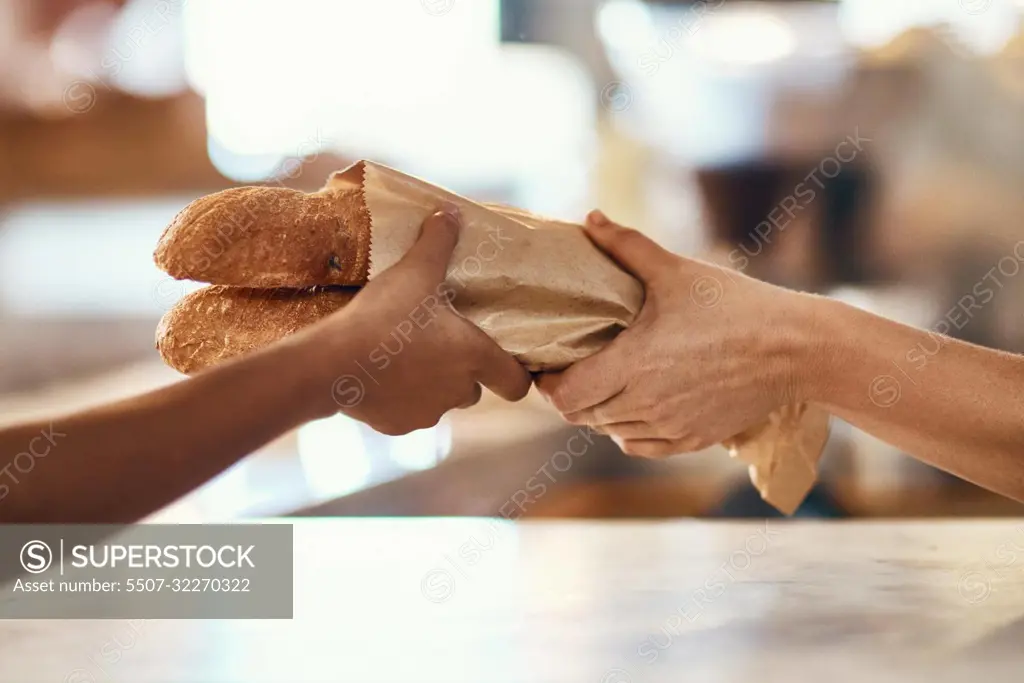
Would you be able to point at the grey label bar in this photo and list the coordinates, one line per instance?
(146, 571)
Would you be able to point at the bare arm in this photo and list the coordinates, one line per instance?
(957, 406)
(713, 352)
(120, 462)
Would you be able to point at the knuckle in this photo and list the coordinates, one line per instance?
(690, 444)
(441, 220)
(561, 397)
(425, 422)
(577, 419)
(675, 432)
(629, 237)
(475, 344)
(521, 390)
(639, 450)
(471, 397)
(667, 432)
(705, 442)
(665, 450)
(390, 429)
(627, 447)
(666, 415)
(405, 425)
(435, 217)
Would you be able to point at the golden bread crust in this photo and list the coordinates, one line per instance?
(217, 323)
(270, 237)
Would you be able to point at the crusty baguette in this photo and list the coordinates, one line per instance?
(214, 324)
(270, 237)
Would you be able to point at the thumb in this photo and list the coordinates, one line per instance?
(430, 255)
(632, 250)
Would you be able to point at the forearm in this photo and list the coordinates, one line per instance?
(957, 406)
(121, 462)
(124, 461)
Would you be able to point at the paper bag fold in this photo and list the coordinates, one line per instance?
(549, 297)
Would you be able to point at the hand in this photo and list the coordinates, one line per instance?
(711, 353)
(402, 355)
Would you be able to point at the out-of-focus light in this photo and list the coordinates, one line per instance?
(244, 168)
(625, 22)
(333, 456)
(423, 85)
(144, 55)
(427, 87)
(273, 73)
(421, 449)
(984, 26)
(137, 49)
(337, 453)
(1014, 48)
(744, 37)
(120, 234)
(80, 39)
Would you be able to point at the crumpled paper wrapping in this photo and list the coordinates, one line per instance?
(549, 297)
(782, 454)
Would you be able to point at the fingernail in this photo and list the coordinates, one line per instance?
(451, 210)
(597, 217)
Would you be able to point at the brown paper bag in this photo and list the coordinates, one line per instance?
(549, 297)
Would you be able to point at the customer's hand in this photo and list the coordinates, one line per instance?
(402, 355)
(711, 353)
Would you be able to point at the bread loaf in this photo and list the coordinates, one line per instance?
(270, 237)
(217, 323)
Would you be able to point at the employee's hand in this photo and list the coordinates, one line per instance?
(713, 352)
(709, 355)
(402, 357)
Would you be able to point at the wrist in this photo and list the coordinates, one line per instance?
(792, 337)
(817, 350)
(318, 361)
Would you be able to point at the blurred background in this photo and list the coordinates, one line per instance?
(866, 149)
